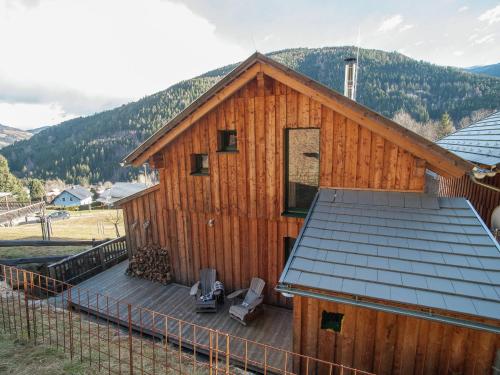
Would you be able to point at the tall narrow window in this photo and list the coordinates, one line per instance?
(289, 242)
(302, 169)
(199, 164)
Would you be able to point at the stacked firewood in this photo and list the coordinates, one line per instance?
(151, 262)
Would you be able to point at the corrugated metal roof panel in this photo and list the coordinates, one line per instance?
(368, 244)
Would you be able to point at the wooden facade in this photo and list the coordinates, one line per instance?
(387, 343)
(233, 219)
(483, 199)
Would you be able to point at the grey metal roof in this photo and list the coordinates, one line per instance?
(78, 191)
(478, 143)
(119, 191)
(402, 247)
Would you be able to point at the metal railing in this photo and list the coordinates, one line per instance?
(100, 331)
(81, 266)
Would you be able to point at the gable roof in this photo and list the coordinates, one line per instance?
(120, 190)
(439, 160)
(479, 142)
(78, 192)
(409, 248)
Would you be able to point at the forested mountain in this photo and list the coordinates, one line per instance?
(9, 135)
(90, 148)
(491, 70)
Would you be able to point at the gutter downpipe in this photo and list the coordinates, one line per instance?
(477, 182)
(389, 309)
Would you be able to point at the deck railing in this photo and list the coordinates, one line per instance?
(81, 266)
(35, 307)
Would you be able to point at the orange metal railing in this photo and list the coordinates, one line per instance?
(116, 337)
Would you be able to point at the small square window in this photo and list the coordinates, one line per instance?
(228, 140)
(331, 321)
(199, 164)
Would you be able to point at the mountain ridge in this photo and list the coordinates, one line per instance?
(9, 135)
(490, 70)
(89, 149)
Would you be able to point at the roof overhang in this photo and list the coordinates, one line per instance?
(415, 313)
(439, 160)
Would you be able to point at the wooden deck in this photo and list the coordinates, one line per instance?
(273, 327)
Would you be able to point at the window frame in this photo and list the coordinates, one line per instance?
(287, 211)
(223, 138)
(334, 316)
(197, 165)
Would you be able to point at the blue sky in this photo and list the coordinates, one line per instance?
(67, 58)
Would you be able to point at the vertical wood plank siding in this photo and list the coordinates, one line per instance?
(483, 199)
(386, 343)
(232, 219)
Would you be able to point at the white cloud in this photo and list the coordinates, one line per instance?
(29, 116)
(463, 9)
(103, 49)
(391, 23)
(491, 15)
(458, 53)
(406, 27)
(485, 39)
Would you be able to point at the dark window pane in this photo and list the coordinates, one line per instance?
(199, 164)
(331, 321)
(289, 242)
(302, 168)
(228, 140)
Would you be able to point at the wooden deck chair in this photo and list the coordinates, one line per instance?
(246, 309)
(205, 300)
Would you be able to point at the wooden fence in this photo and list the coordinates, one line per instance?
(7, 217)
(89, 262)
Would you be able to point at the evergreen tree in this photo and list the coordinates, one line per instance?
(445, 126)
(9, 183)
(37, 189)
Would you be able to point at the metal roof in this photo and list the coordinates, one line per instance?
(120, 190)
(478, 143)
(410, 248)
(78, 191)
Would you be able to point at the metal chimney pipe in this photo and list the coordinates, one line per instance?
(351, 77)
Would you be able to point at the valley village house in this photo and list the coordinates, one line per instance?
(270, 174)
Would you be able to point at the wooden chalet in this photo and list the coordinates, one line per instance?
(239, 170)
(478, 143)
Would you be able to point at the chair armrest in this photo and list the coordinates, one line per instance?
(236, 293)
(194, 289)
(256, 303)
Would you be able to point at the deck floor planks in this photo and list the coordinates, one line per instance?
(272, 327)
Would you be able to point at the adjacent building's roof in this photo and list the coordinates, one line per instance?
(120, 190)
(78, 192)
(439, 159)
(479, 142)
(408, 248)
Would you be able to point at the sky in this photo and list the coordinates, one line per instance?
(66, 58)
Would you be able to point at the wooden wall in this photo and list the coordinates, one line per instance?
(232, 219)
(483, 199)
(141, 209)
(386, 343)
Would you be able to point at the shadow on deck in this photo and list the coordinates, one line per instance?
(158, 310)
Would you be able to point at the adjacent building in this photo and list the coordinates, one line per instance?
(73, 196)
(478, 143)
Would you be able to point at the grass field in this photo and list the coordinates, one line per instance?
(20, 357)
(82, 225)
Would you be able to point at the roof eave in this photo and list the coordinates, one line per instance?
(388, 308)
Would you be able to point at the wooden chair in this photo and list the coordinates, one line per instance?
(246, 309)
(203, 288)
